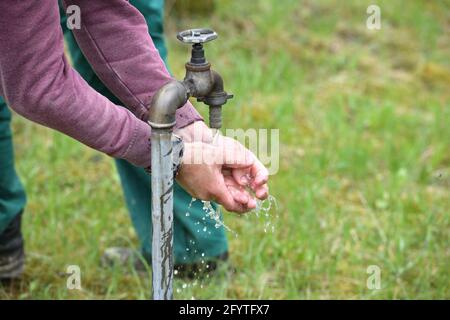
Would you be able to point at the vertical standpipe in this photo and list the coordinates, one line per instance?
(166, 151)
(162, 214)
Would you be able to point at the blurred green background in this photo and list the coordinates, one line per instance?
(364, 179)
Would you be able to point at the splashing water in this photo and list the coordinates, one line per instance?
(214, 214)
(263, 209)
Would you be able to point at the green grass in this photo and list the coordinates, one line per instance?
(364, 119)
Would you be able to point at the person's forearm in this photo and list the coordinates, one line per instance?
(115, 40)
(38, 83)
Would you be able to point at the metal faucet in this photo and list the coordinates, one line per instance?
(200, 82)
(166, 150)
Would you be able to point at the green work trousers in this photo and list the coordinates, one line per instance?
(12, 193)
(195, 235)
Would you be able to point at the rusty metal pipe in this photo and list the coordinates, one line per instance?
(165, 103)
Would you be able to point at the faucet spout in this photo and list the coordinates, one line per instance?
(215, 99)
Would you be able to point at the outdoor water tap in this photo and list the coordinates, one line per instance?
(202, 82)
(207, 86)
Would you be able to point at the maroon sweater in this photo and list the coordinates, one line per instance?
(37, 81)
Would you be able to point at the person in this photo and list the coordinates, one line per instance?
(38, 83)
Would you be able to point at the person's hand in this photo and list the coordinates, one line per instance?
(225, 172)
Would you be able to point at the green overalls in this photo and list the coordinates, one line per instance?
(192, 241)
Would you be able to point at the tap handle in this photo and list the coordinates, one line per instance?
(196, 35)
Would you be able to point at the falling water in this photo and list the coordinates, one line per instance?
(214, 214)
(211, 212)
(263, 209)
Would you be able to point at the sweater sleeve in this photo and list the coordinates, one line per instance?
(38, 83)
(115, 40)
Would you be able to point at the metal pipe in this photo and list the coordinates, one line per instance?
(165, 103)
(162, 214)
(162, 119)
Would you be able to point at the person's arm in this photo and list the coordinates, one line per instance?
(38, 83)
(115, 40)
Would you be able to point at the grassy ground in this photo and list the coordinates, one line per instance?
(364, 161)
